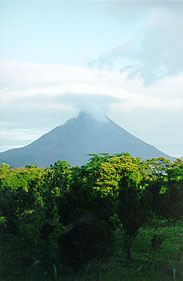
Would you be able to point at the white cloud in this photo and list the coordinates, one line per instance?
(35, 96)
(154, 47)
(50, 83)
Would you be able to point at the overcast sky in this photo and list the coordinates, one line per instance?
(119, 58)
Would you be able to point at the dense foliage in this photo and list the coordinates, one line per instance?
(115, 217)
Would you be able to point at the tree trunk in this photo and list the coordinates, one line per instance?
(128, 247)
(98, 269)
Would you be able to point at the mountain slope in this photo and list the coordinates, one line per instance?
(77, 138)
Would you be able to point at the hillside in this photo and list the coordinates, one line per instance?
(75, 139)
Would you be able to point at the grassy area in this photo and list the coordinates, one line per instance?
(157, 255)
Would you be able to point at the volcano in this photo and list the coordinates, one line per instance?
(75, 139)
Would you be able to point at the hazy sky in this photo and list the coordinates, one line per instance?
(119, 58)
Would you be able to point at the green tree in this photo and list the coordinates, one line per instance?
(89, 220)
(123, 178)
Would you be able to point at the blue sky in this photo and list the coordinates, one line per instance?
(120, 58)
(56, 31)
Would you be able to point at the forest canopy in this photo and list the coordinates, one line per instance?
(74, 221)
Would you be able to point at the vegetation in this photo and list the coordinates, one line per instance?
(115, 218)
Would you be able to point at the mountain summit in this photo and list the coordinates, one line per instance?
(75, 139)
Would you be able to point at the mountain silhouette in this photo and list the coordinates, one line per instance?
(75, 139)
